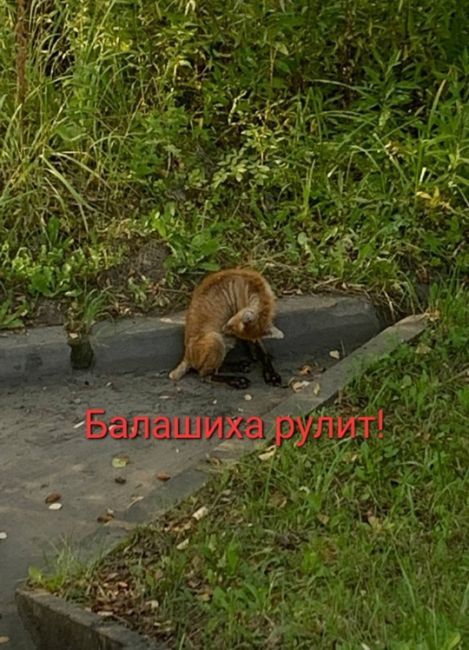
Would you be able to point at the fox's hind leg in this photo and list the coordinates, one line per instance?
(180, 370)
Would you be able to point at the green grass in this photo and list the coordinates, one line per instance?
(346, 544)
(323, 143)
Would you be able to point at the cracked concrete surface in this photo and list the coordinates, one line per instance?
(44, 450)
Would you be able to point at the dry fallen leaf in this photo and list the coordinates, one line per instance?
(324, 519)
(316, 388)
(105, 613)
(183, 545)
(120, 461)
(306, 370)
(106, 517)
(433, 315)
(278, 500)
(163, 476)
(204, 593)
(299, 385)
(213, 460)
(120, 479)
(134, 501)
(200, 513)
(335, 354)
(267, 454)
(53, 497)
(422, 348)
(153, 604)
(55, 506)
(375, 523)
(4, 639)
(204, 597)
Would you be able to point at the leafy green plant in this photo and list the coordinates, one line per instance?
(10, 318)
(328, 139)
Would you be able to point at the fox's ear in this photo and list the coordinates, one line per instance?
(273, 333)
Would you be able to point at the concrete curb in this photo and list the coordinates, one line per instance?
(149, 343)
(54, 623)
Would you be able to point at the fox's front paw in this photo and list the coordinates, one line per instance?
(239, 382)
(272, 377)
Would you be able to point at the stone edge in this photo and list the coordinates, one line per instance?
(156, 343)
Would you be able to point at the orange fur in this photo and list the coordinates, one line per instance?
(230, 304)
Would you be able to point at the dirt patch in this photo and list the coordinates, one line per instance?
(137, 285)
(49, 312)
(145, 261)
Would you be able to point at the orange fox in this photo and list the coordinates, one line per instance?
(228, 305)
